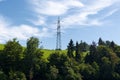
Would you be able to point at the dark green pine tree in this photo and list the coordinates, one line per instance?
(90, 58)
(112, 45)
(108, 43)
(77, 52)
(101, 42)
(70, 49)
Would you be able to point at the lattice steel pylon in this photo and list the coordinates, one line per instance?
(58, 38)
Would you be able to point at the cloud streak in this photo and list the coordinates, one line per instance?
(93, 8)
(39, 21)
(21, 32)
(54, 7)
(73, 12)
(110, 13)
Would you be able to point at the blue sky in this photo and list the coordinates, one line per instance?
(85, 20)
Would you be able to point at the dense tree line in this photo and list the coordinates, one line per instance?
(97, 61)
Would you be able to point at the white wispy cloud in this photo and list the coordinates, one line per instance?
(21, 32)
(73, 12)
(40, 20)
(46, 8)
(54, 7)
(110, 13)
(93, 8)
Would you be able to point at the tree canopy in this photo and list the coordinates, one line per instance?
(82, 61)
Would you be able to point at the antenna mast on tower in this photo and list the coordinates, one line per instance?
(58, 39)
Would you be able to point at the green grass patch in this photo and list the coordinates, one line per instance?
(1, 46)
(47, 53)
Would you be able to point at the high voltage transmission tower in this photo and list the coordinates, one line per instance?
(58, 38)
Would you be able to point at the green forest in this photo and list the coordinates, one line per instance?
(80, 61)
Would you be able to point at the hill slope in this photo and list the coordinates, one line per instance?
(46, 52)
(1, 46)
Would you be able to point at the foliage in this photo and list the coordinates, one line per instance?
(2, 75)
(78, 62)
(70, 49)
(16, 75)
(11, 56)
(32, 57)
(77, 53)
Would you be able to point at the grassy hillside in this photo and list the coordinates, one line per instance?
(1, 46)
(46, 52)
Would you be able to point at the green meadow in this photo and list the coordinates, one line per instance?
(1, 46)
(46, 52)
